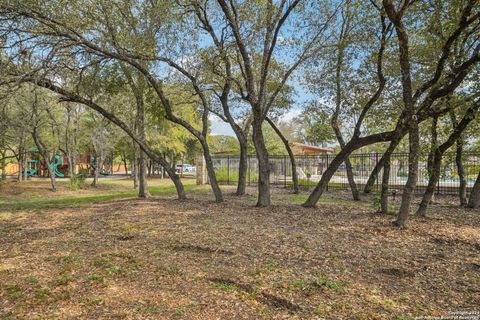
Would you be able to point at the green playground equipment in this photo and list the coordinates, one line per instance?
(32, 167)
(103, 172)
(54, 164)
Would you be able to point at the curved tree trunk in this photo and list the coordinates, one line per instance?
(348, 164)
(474, 200)
(290, 155)
(211, 172)
(374, 175)
(326, 176)
(433, 168)
(434, 175)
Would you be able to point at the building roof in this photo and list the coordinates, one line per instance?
(306, 146)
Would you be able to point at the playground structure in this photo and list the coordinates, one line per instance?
(93, 165)
(58, 165)
(36, 167)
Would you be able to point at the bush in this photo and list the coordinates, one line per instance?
(77, 181)
(224, 176)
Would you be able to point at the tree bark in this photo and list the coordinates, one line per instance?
(68, 144)
(434, 175)
(142, 177)
(410, 112)
(4, 167)
(211, 172)
(326, 176)
(263, 164)
(22, 175)
(409, 189)
(385, 184)
(242, 168)
(290, 155)
(474, 200)
(135, 171)
(462, 190)
(46, 157)
(374, 175)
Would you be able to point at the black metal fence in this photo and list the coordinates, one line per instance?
(310, 169)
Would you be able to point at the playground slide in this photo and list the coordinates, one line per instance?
(57, 161)
(103, 172)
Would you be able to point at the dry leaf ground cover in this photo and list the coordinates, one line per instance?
(165, 259)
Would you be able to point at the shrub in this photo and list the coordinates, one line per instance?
(77, 181)
(224, 176)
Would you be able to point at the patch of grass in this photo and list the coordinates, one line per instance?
(64, 279)
(42, 294)
(301, 284)
(101, 263)
(387, 304)
(340, 306)
(321, 281)
(154, 309)
(93, 301)
(225, 286)
(117, 190)
(113, 270)
(327, 199)
(329, 283)
(272, 265)
(13, 291)
(32, 280)
(96, 278)
(168, 271)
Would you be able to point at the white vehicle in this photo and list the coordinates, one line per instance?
(185, 168)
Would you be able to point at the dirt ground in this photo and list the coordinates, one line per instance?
(165, 259)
